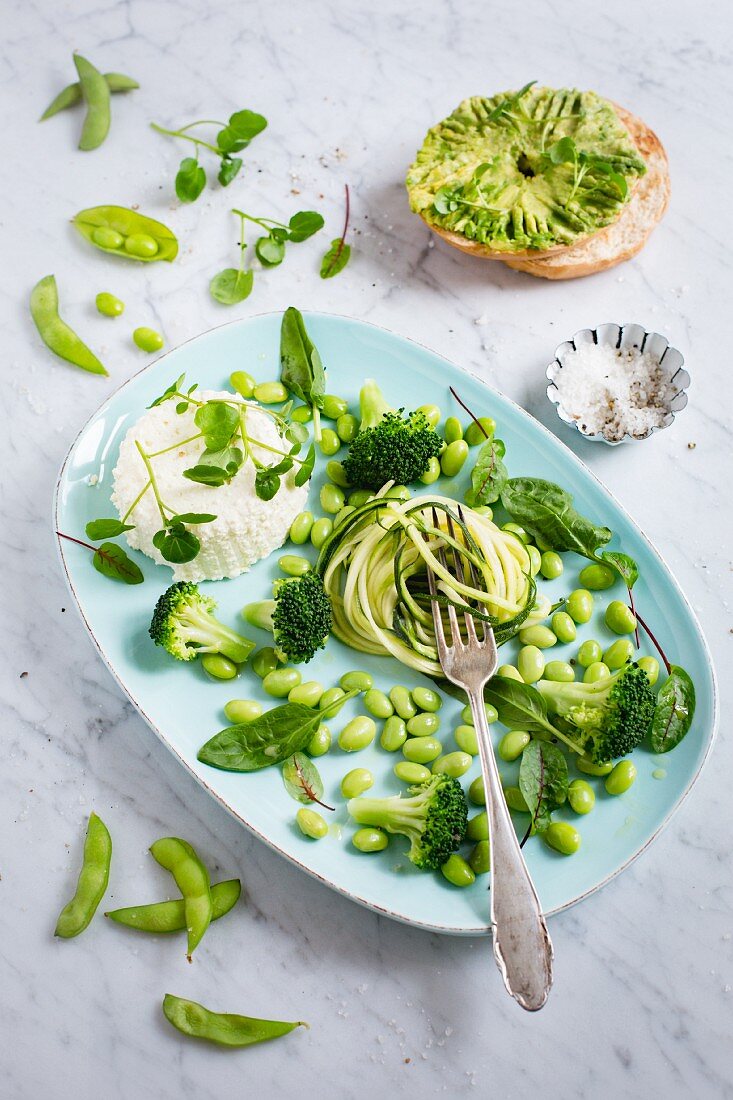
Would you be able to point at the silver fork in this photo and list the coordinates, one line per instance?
(522, 945)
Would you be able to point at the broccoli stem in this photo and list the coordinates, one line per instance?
(213, 637)
(379, 811)
(259, 614)
(372, 405)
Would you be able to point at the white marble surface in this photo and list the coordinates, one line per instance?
(642, 1003)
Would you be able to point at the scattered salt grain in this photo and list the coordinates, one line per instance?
(614, 391)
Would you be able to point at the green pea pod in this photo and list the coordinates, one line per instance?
(55, 333)
(223, 1028)
(71, 94)
(95, 92)
(119, 222)
(92, 882)
(192, 879)
(170, 916)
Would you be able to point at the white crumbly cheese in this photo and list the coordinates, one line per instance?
(614, 391)
(246, 528)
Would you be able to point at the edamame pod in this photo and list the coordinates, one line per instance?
(170, 916)
(224, 1028)
(119, 224)
(192, 879)
(95, 93)
(59, 337)
(92, 881)
(70, 96)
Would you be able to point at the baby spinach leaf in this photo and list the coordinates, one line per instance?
(675, 710)
(176, 544)
(270, 251)
(301, 369)
(111, 561)
(546, 511)
(543, 781)
(218, 421)
(231, 286)
(106, 528)
(303, 780)
(519, 706)
(335, 259)
(304, 224)
(190, 180)
(489, 475)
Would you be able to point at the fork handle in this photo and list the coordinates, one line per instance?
(522, 945)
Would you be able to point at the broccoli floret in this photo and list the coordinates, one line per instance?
(433, 818)
(606, 719)
(300, 617)
(388, 446)
(183, 623)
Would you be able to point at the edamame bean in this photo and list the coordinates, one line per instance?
(356, 681)
(311, 824)
(320, 742)
(540, 636)
(108, 305)
(333, 406)
(303, 414)
(531, 663)
(432, 473)
(535, 559)
(457, 872)
(242, 383)
(356, 782)
(480, 858)
(453, 458)
(239, 711)
(309, 693)
(467, 739)
(147, 339)
(452, 429)
(377, 703)
(320, 531)
(581, 796)
(359, 497)
(587, 766)
(477, 827)
(517, 531)
(563, 837)
(551, 565)
(484, 510)
(192, 879)
(563, 627)
(619, 618)
(618, 653)
(579, 605)
(398, 492)
(411, 773)
(597, 577)
(92, 882)
(265, 660)
(559, 671)
(477, 791)
(141, 246)
(346, 427)
(513, 744)
(270, 393)
(107, 238)
(621, 778)
(357, 734)
(294, 565)
(595, 672)
(509, 672)
(281, 681)
(402, 702)
(650, 665)
(423, 725)
(431, 414)
(473, 433)
(394, 734)
(492, 715)
(426, 699)
(337, 474)
(370, 840)
(345, 512)
(329, 442)
(332, 498)
(329, 697)
(421, 750)
(515, 800)
(219, 667)
(454, 764)
(589, 653)
(300, 528)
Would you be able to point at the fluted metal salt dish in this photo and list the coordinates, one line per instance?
(626, 337)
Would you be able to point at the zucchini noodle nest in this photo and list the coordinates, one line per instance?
(374, 569)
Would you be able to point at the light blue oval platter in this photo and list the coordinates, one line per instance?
(184, 707)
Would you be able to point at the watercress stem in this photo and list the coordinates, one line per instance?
(153, 484)
(180, 443)
(136, 501)
(186, 137)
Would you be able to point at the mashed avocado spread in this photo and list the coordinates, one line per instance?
(532, 169)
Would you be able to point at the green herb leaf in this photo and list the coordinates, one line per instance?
(193, 517)
(546, 511)
(675, 710)
(231, 286)
(301, 370)
(446, 200)
(111, 561)
(270, 251)
(208, 475)
(98, 529)
(303, 780)
(218, 421)
(175, 387)
(176, 544)
(267, 484)
(519, 706)
(563, 151)
(489, 475)
(228, 458)
(190, 180)
(305, 470)
(304, 224)
(247, 124)
(543, 781)
(228, 169)
(335, 259)
(625, 566)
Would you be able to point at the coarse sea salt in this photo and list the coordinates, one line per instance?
(614, 391)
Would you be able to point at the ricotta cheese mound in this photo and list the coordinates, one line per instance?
(246, 529)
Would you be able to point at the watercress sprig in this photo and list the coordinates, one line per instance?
(233, 136)
(337, 256)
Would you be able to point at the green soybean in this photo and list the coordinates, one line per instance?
(587, 766)
(551, 565)
(479, 433)
(423, 725)
(402, 702)
(92, 882)
(540, 636)
(467, 739)
(309, 693)
(147, 339)
(303, 414)
(359, 497)
(370, 840)
(332, 498)
(329, 697)
(509, 672)
(477, 791)
(333, 406)
(71, 95)
(398, 492)
(394, 734)
(426, 699)
(452, 429)
(650, 665)
(513, 744)
(356, 782)
(492, 715)
(563, 627)
(535, 560)
(579, 605)
(270, 393)
(563, 837)
(515, 800)
(559, 671)
(108, 239)
(339, 518)
(281, 682)
(329, 442)
(141, 246)
(311, 824)
(531, 663)
(581, 796)
(431, 413)
(621, 778)
(219, 667)
(453, 458)
(478, 827)
(357, 734)
(356, 681)
(517, 531)
(242, 383)
(619, 618)
(595, 672)
(432, 473)
(301, 527)
(597, 577)
(456, 871)
(347, 427)
(589, 653)
(294, 565)
(409, 772)
(337, 474)
(454, 764)
(421, 750)
(109, 305)
(378, 704)
(480, 858)
(320, 742)
(265, 660)
(484, 510)
(239, 711)
(618, 653)
(320, 531)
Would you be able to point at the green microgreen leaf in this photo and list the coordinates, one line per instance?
(98, 529)
(270, 251)
(111, 561)
(267, 483)
(193, 517)
(303, 781)
(231, 286)
(218, 422)
(335, 259)
(176, 544)
(674, 712)
(228, 169)
(306, 469)
(175, 387)
(304, 224)
(190, 180)
(208, 475)
(247, 124)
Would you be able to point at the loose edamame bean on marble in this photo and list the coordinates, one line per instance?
(337, 474)
(402, 702)
(431, 414)
(356, 782)
(453, 458)
(309, 693)
(311, 824)
(265, 660)
(421, 750)
(320, 531)
(281, 681)
(333, 406)
(356, 681)
(650, 665)
(620, 618)
(589, 653)
(540, 636)
(581, 796)
(559, 671)
(452, 429)
(127, 233)
(346, 427)
(621, 778)
(426, 699)
(480, 858)
(587, 766)
(477, 791)
(219, 667)
(479, 433)
(329, 697)
(192, 879)
(551, 565)
(332, 498)
(147, 339)
(467, 739)
(457, 872)
(597, 577)
(357, 734)
(513, 744)
(300, 528)
(579, 605)
(563, 837)
(59, 337)
(329, 442)
(294, 565)
(92, 881)
(370, 839)
(224, 1028)
(394, 734)
(240, 711)
(515, 800)
(454, 764)
(432, 473)
(618, 653)
(320, 742)
(595, 672)
(563, 627)
(242, 383)
(410, 772)
(423, 725)
(378, 704)
(531, 663)
(109, 305)
(509, 672)
(270, 393)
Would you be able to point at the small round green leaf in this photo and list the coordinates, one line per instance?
(231, 286)
(190, 180)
